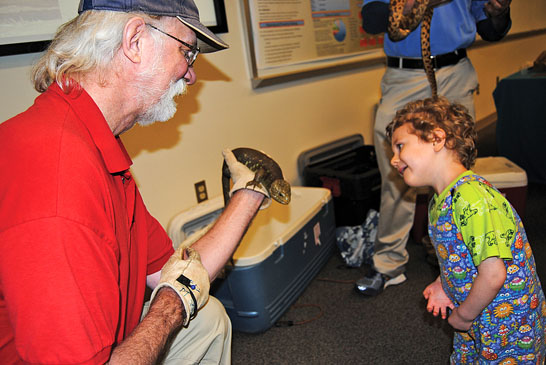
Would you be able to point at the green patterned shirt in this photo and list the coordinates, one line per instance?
(484, 218)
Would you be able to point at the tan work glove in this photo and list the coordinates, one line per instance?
(241, 176)
(188, 278)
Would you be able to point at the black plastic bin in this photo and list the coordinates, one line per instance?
(349, 169)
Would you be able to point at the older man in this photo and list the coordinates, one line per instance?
(77, 243)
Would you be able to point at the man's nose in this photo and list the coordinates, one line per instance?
(190, 76)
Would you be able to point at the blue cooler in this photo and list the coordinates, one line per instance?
(282, 251)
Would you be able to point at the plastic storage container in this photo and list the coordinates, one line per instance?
(349, 169)
(282, 251)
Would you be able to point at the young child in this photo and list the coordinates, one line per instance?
(487, 270)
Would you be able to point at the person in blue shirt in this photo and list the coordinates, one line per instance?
(453, 28)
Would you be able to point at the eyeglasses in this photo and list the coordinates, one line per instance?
(190, 55)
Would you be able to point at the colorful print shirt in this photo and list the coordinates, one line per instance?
(469, 222)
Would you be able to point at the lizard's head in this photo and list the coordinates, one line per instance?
(280, 191)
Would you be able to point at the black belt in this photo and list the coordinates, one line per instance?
(439, 61)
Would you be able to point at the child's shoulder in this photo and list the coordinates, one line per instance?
(480, 193)
(472, 188)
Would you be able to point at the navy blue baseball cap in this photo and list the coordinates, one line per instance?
(185, 10)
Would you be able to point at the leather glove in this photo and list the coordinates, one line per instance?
(243, 178)
(188, 278)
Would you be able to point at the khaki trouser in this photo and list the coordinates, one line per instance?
(206, 340)
(398, 87)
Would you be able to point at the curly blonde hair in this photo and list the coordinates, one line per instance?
(427, 114)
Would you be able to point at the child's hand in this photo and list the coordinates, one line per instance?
(438, 301)
(458, 322)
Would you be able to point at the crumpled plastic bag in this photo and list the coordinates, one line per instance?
(356, 243)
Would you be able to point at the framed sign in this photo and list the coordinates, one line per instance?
(300, 38)
(27, 26)
(212, 13)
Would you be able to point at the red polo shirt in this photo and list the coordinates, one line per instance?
(76, 241)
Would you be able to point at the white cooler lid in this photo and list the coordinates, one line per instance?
(271, 228)
(500, 171)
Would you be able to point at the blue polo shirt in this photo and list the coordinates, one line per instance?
(453, 27)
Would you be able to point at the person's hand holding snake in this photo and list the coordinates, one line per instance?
(495, 8)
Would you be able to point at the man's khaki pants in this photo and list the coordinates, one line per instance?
(398, 87)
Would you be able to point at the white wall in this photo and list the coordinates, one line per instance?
(222, 110)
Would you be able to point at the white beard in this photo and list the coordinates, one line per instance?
(165, 108)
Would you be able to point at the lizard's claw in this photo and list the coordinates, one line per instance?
(254, 184)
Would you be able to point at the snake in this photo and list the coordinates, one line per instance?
(400, 26)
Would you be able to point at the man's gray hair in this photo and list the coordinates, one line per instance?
(87, 43)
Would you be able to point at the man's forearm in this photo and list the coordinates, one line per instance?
(146, 343)
(218, 245)
(501, 22)
(495, 26)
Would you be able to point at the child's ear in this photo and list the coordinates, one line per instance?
(438, 139)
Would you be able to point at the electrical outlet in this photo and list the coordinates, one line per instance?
(201, 191)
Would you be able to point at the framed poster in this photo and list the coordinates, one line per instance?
(212, 13)
(305, 37)
(27, 26)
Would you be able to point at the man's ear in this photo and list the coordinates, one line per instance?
(438, 139)
(132, 39)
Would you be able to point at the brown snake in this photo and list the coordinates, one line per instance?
(400, 26)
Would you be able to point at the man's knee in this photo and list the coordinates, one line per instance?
(206, 340)
(212, 318)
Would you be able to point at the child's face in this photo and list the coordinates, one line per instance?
(412, 156)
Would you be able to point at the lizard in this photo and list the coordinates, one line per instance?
(268, 174)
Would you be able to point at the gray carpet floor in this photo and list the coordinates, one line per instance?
(392, 328)
(336, 325)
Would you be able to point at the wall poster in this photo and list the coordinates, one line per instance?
(297, 36)
(28, 25)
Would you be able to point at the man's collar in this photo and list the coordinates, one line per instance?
(113, 152)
